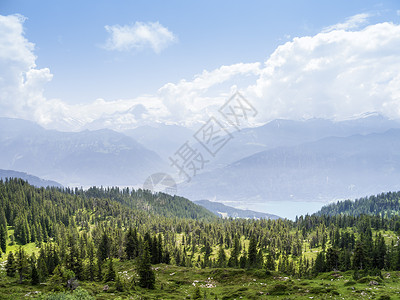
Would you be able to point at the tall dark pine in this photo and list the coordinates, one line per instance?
(11, 266)
(22, 264)
(221, 260)
(3, 238)
(359, 257)
(110, 273)
(104, 247)
(234, 259)
(147, 277)
(34, 271)
(131, 243)
(252, 255)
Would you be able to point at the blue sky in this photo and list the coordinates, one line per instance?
(70, 42)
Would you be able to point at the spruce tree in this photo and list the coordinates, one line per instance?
(3, 238)
(320, 263)
(360, 256)
(103, 251)
(22, 264)
(131, 243)
(11, 266)
(147, 277)
(110, 272)
(270, 263)
(252, 253)
(34, 271)
(234, 259)
(221, 261)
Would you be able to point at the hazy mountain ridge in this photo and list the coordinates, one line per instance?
(101, 157)
(225, 211)
(288, 133)
(31, 179)
(331, 168)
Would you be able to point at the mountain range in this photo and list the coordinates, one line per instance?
(283, 160)
(100, 157)
(323, 170)
(224, 211)
(33, 180)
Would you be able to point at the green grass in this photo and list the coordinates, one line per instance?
(179, 283)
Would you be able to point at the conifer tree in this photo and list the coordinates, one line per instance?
(147, 277)
(270, 263)
(359, 257)
(22, 264)
(103, 251)
(34, 272)
(110, 272)
(3, 239)
(11, 266)
(221, 261)
(234, 259)
(252, 253)
(131, 243)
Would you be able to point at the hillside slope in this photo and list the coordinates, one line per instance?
(33, 180)
(385, 204)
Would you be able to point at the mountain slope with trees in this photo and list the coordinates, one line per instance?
(384, 204)
(118, 242)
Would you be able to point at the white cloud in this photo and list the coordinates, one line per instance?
(352, 22)
(336, 74)
(139, 36)
(21, 83)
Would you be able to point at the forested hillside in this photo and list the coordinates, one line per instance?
(116, 242)
(385, 204)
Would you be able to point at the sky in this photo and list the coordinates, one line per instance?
(73, 65)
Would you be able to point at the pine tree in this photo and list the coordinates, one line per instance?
(207, 254)
(147, 277)
(3, 238)
(252, 253)
(34, 272)
(320, 263)
(22, 264)
(103, 251)
(332, 259)
(11, 266)
(234, 259)
(131, 243)
(221, 261)
(359, 257)
(270, 263)
(110, 272)
(41, 266)
(90, 272)
(243, 260)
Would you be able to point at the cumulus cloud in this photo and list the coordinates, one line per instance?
(139, 36)
(336, 74)
(21, 83)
